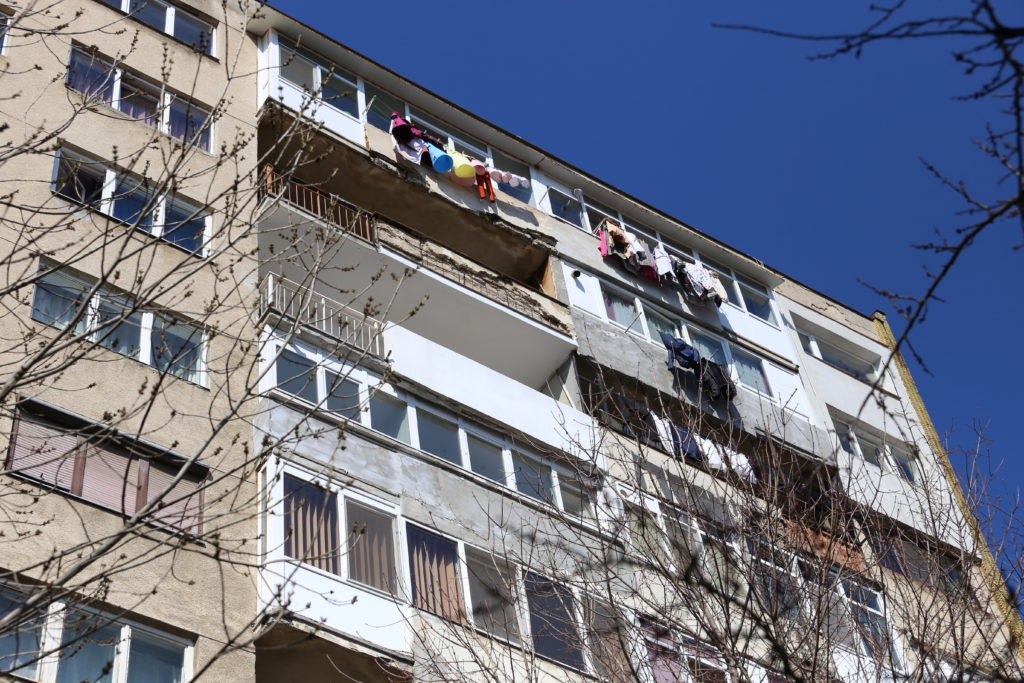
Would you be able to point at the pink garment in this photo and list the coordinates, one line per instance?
(649, 272)
(602, 246)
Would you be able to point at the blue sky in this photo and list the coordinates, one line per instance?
(812, 167)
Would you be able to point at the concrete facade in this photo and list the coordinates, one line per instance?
(431, 436)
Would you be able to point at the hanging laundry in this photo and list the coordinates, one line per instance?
(408, 143)
(483, 183)
(662, 262)
(699, 284)
(715, 381)
(719, 288)
(415, 145)
(680, 354)
(602, 243)
(684, 445)
(663, 429)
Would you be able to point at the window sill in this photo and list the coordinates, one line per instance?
(97, 345)
(179, 41)
(142, 525)
(135, 228)
(299, 564)
(117, 113)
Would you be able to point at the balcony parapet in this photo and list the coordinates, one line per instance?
(305, 307)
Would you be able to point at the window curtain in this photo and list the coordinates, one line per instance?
(43, 452)
(371, 547)
(433, 563)
(181, 506)
(310, 525)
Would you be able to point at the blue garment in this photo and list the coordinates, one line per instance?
(680, 354)
(684, 445)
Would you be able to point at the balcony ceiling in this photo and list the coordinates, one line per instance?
(390, 287)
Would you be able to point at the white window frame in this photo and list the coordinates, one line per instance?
(342, 494)
(144, 354)
(730, 361)
(684, 647)
(165, 97)
(812, 347)
(108, 197)
(168, 28)
(790, 566)
(896, 648)
(52, 634)
(369, 384)
(887, 461)
(5, 28)
(320, 66)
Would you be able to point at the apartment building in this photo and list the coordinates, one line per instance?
(397, 395)
(128, 539)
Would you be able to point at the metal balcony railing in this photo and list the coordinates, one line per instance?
(328, 207)
(303, 306)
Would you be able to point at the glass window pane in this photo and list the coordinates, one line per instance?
(758, 304)
(57, 300)
(622, 310)
(150, 12)
(656, 324)
(153, 659)
(139, 100)
(381, 104)
(310, 524)
(297, 375)
(371, 547)
(389, 415)
(193, 30)
(871, 450)
(184, 225)
(176, 348)
(188, 123)
(515, 167)
(434, 570)
(339, 92)
(565, 207)
(80, 180)
(485, 458)
(576, 499)
(19, 647)
(116, 328)
(533, 478)
(707, 347)
(438, 436)
(469, 145)
(4, 22)
(490, 595)
(87, 649)
(551, 621)
(296, 69)
(91, 76)
(750, 371)
(906, 463)
(343, 396)
(133, 204)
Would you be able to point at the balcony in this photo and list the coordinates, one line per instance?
(364, 264)
(294, 303)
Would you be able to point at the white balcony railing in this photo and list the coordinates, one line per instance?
(304, 306)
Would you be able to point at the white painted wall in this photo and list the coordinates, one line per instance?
(491, 393)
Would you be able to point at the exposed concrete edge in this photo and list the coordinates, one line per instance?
(989, 569)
